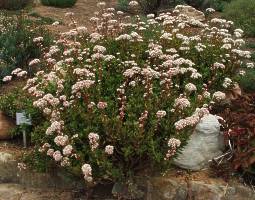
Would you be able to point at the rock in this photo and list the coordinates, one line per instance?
(175, 189)
(205, 143)
(9, 173)
(57, 179)
(6, 124)
(234, 93)
(191, 12)
(17, 192)
(8, 167)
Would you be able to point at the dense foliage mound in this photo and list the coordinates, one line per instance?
(126, 96)
(14, 4)
(59, 3)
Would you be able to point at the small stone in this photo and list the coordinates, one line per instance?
(173, 188)
(5, 157)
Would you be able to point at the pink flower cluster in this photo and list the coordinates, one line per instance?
(102, 105)
(173, 144)
(87, 172)
(61, 140)
(109, 149)
(181, 103)
(160, 114)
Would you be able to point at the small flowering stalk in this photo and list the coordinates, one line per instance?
(142, 120)
(122, 102)
(93, 141)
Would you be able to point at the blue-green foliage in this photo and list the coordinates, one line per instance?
(16, 42)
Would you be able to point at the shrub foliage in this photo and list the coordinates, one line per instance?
(242, 13)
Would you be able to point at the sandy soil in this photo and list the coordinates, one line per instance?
(83, 10)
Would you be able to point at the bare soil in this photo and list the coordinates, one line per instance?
(83, 11)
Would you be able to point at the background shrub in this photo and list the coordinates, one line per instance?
(123, 5)
(16, 42)
(151, 6)
(242, 12)
(59, 3)
(218, 5)
(14, 4)
(247, 82)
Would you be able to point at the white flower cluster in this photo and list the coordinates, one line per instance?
(93, 140)
(219, 96)
(133, 3)
(87, 172)
(190, 87)
(160, 114)
(227, 82)
(67, 151)
(109, 149)
(34, 62)
(210, 10)
(55, 127)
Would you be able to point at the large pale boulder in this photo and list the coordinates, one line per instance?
(205, 143)
(191, 12)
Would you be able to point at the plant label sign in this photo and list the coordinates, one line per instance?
(21, 118)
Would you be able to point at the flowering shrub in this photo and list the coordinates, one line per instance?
(123, 98)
